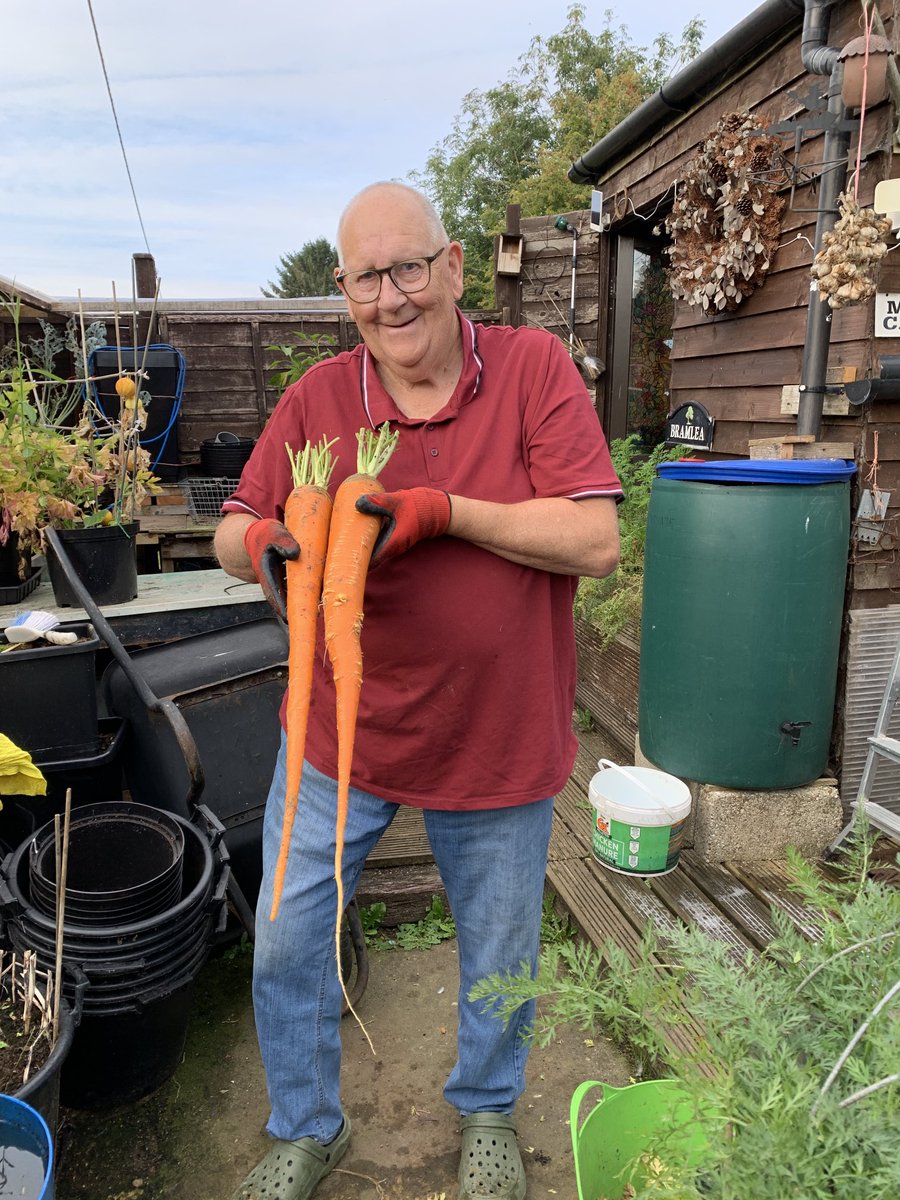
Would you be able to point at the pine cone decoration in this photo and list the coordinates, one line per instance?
(726, 219)
(718, 172)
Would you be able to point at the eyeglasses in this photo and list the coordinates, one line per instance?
(409, 277)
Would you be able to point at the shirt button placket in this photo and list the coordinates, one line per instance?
(435, 471)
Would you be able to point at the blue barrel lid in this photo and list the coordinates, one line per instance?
(760, 470)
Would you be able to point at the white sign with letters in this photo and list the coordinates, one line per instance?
(887, 314)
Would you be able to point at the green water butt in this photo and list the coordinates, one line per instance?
(742, 608)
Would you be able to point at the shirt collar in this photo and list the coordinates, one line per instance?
(379, 406)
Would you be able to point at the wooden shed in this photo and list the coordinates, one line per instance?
(779, 363)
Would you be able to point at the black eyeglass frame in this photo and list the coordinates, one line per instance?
(428, 259)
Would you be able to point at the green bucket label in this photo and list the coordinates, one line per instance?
(643, 849)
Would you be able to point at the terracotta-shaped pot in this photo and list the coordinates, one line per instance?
(860, 75)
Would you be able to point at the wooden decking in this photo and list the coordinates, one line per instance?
(729, 901)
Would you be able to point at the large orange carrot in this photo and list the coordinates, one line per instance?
(307, 515)
(350, 543)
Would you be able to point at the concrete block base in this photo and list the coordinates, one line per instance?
(731, 825)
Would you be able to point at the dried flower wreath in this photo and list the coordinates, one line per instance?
(726, 220)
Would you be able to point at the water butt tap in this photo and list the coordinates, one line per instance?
(793, 729)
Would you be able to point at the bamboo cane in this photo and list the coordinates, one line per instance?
(62, 870)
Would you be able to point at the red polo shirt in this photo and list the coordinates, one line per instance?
(468, 659)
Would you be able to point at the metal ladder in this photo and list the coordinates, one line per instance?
(881, 747)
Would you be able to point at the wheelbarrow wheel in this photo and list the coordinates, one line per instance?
(354, 956)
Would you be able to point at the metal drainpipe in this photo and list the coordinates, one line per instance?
(821, 60)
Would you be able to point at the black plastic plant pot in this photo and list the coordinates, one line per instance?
(224, 455)
(103, 557)
(9, 560)
(118, 1058)
(13, 589)
(42, 1089)
(50, 696)
(125, 863)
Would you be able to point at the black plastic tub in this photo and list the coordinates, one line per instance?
(219, 680)
(50, 696)
(118, 1058)
(165, 368)
(125, 863)
(205, 862)
(86, 947)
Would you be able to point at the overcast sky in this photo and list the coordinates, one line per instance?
(247, 123)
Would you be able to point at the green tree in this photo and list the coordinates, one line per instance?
(306, 272)
(515, 142)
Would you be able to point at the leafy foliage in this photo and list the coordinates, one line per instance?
(293, 361)
(556, 928)
(515, 142)
(56, 474)
(307, 272)
(796, 1083)
(436, 926)
(609, 605)
(371, 916)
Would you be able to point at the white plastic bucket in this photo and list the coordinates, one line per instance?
(639, 818)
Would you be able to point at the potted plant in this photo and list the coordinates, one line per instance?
(608, 611)
(36, 1031)
(793, 1090)
(61, 464)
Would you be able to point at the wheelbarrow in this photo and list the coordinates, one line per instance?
(167, 766)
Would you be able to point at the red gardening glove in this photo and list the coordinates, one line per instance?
(269, 543)
(407, 517)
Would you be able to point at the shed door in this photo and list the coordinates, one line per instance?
(640, 339)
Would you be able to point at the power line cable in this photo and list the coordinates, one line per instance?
(112, 104)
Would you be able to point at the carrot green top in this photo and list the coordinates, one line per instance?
(375, 448)
(312, 466)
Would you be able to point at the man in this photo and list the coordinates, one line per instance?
(499, 494)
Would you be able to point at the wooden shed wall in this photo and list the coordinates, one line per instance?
(736, 364)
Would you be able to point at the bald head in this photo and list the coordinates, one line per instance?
(400, 198)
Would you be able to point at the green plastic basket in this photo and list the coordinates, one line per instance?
(624, 1125)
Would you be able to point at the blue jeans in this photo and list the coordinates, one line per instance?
(492, 864)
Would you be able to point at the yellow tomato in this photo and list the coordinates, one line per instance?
(125, 388)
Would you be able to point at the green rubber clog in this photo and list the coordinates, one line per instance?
(292, 1170)
(490, 1164)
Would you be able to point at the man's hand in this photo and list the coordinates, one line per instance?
(269, 543)
(407, 517)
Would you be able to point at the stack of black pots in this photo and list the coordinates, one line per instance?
(145, 896)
